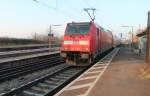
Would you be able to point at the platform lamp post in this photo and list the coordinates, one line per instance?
(130, 34)
(148, 39)
(51, 35)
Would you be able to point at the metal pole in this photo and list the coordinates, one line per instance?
(148, 40)
(51, 38)
(132, 36)
(50, 32)
(35, 37)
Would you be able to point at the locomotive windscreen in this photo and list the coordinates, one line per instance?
(78, 28)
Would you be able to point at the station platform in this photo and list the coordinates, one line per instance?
(120, 76)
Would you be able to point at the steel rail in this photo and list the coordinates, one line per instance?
(17, 53)
(48, 84)
(10, 73)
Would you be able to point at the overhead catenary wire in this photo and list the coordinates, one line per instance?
(86, 3)
(90, 9)
(43, 4)
(76, 10)
(56, 3)
(97, 15)
(90, 6)
(55, 9)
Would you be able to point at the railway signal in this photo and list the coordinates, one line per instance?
(51, 35)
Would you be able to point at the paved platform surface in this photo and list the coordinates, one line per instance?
(121, 78)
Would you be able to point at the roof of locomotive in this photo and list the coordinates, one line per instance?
(84, 23)
(79, 23)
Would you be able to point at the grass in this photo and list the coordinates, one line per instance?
(6, 42)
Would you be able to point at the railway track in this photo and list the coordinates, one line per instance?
(9, 73)
(8, 54)
(48, 84)
(24, 47)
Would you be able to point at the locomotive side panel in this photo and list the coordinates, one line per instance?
(93, 39)
(83, 42)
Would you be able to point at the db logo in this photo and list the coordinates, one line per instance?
(75, 42)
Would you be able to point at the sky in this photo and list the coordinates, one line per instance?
(23, 18)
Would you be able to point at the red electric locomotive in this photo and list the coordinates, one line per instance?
(83, 41)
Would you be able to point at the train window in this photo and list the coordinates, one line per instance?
(83, 29)
(77, 29)
(97, 32)
(72, 29)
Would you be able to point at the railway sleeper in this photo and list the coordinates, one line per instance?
(57, 79)
(62, 77)
(65, 75)
(51, 82)
(32, 93)
(44, 85)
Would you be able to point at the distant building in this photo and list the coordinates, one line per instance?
(142, 41)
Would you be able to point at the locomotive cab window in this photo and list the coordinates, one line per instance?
(78, 28)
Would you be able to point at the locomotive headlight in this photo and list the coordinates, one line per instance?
(86, 49)
(68, 42)
(83, 42)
